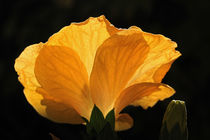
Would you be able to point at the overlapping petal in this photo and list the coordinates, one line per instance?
(143, 94)
(161, 55)
(84, 38)
(93, 62)
(63, 76)
(116, 61)
(24, 65)
(58, 111)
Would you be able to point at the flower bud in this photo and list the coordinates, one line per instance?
(174, 125)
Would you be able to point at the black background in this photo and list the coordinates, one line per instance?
(26, 22)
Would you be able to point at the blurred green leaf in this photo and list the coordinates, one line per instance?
(101, 128)
(97, 119)
(110, 118)
(174, 125)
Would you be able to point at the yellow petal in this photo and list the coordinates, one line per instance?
(84, 38)
(24, 65)
(64, 77)
(161, 71)
(143, 94)
(123, 122)
(161, 55)
(115, 63)
(58, 111)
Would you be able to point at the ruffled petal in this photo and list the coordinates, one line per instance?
(161, 55)
(24, 65)
(116, 61)
(63, 76)
(143, 94)
(123, 122)
(84, 38)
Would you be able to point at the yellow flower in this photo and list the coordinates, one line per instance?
(93, 62)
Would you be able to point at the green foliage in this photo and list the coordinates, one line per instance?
(174, 125)
(97, 119)
(100, 128)
(110, 118)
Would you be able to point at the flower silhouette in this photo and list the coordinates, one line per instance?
(93, 62)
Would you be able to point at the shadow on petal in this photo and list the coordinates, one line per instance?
(143, 94)
(123, 122)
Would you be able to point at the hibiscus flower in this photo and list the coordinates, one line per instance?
(93, 62)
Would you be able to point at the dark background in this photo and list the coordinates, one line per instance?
(26, 22)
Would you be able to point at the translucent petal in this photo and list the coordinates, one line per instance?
(161, 55)
(116, 61)
(64, 77)
(143, 94)
(52, 109)
(84, 38)
(58, 111)
(24, 65)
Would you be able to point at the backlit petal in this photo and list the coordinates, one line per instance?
(84, 38)
(64, 77)
(52, 109)
(123, 122)
(143, 94)
(115, 63)
(161, 55)
(58, 111)
(24, 65)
